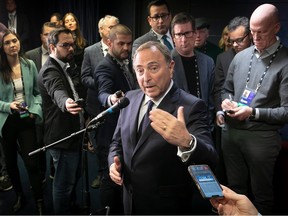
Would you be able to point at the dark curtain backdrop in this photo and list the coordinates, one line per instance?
(87, 14)
(133, 14)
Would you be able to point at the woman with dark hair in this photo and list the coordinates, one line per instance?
(20, 111)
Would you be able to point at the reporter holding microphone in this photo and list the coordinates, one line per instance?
(112, 74)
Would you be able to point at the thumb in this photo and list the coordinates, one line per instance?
(180, 114)
(117, 163)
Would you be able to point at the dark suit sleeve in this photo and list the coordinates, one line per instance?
(103, 75)
(197, 126)
(116, 145)
(86, 71)
(136, 44)
(54, 83)
(218, 84)
(23, 29)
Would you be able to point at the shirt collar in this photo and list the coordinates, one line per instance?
(104, 46)
(269, 51)
(44, 51)
(61, 63)
(159, 36)
(13, 13)
(146, 99)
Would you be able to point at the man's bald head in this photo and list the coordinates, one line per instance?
(265, 13)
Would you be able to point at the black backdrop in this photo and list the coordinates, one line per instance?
(133, 14)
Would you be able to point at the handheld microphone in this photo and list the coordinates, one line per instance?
(122, 103)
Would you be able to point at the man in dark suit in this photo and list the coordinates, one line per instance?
(153, 170)
(159, 18)
(111, 75)
(18, 22)
(193, 71)
(92, 56)
(39, 56)
(62, 118)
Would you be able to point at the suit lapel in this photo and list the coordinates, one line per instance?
(179, 69)
(168, 105)
(134, 116)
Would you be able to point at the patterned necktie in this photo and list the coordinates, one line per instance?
(145, 120)
(12, 22)
(128, 75)
(166, 42)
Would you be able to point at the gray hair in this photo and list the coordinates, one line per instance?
(156, 44)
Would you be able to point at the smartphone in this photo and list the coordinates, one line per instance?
(205, 180)
(22, 106)
(80, 102)
(229, 111)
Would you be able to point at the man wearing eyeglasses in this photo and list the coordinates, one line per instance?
(193, 71)
(201, 43)
(240, 38)
(39, 56)
(255, 89)
(62, 118)
(159, 19)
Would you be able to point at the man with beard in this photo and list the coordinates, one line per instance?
(159, 18)
(112, 74)
(62, 118)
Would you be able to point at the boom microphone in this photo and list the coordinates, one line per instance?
(122, 103)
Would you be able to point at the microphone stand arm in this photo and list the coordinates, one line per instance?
(89, 128)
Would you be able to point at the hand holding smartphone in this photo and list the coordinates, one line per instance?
(22, 106)
(80, 102)
(229, 111)
(205, 180)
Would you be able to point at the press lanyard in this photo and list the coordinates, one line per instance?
(267, 68)
(15, 93)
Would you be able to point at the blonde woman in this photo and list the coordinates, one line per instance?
(224, 42)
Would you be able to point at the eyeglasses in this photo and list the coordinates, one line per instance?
(66, 45)
(238, 41)
(162, 16)
(187, 34)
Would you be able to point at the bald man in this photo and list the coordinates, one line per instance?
(256, 91)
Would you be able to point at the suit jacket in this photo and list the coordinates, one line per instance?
(155, 178)
(149, 36)
(32, 94)
(36, 56)
(92, 56)
(23, 29)
(55, 90)
(222, 64)
(206, 75)
(109, 78)
(211, 50)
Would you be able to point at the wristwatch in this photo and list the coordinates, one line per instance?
(252, 116)
(191, 143)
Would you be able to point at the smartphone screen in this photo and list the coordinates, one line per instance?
(205, 181)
